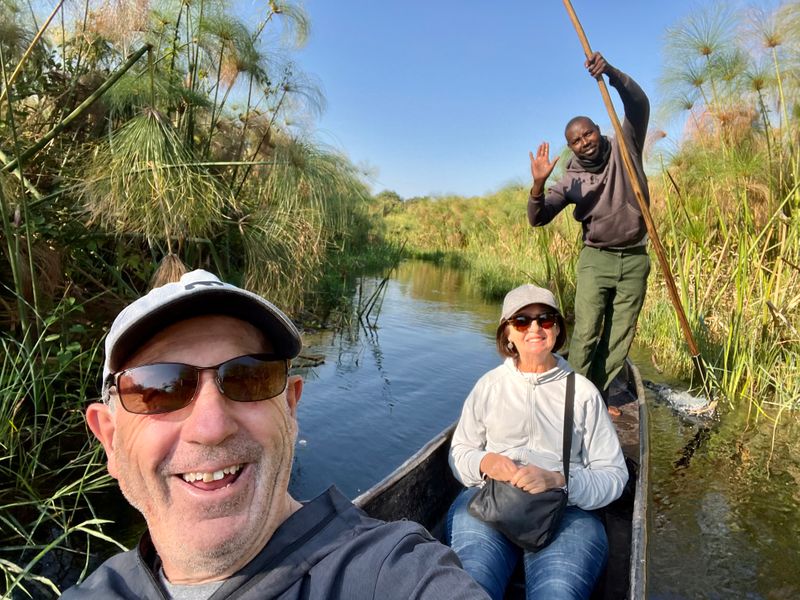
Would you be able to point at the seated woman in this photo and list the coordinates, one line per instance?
(511, 430)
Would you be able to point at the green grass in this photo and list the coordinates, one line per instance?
(48, 466)
(491, 239)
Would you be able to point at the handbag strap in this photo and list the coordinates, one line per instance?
(569, 407)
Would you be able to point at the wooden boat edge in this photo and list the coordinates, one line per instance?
(638, 565)
(409, 465)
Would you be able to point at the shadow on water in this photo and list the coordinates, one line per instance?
(702, 435)
(724, 503)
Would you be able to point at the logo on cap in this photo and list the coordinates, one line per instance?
(194, 284)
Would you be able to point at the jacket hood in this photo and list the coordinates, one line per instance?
(561, 370)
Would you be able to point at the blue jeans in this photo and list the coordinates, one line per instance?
(567, 568)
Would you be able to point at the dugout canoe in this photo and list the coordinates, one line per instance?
(423, 487)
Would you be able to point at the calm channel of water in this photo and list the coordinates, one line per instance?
(725, 521)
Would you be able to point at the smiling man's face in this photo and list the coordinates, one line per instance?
(583, 138)
(211, 479)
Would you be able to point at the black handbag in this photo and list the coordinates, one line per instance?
(528, 520)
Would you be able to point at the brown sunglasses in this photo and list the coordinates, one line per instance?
(522, 322)
(166, 387)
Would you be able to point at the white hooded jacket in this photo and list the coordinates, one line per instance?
(521, 416)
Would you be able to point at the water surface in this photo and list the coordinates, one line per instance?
(383, 393)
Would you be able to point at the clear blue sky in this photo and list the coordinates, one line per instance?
(448, 96)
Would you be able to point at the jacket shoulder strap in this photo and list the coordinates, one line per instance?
(569, 411)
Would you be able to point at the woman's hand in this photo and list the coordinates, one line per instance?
(534, 479)
(498, 467)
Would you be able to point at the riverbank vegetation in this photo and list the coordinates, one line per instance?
(134, 133)
(725, 199)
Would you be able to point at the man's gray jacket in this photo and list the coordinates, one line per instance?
(328, 549)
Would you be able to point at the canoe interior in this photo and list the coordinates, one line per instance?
(423, 488)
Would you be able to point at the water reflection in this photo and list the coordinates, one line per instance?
(382, 394)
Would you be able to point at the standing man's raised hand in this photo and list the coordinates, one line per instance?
(541, 167)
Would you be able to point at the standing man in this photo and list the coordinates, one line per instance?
(198, 422)
(613, 265)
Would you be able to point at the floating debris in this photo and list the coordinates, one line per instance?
(682, 401)
(306, 361)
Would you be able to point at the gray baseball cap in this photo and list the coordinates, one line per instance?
(197, 293)
(526, 294)
(522, 296)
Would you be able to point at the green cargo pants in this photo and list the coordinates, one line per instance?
(609, 294)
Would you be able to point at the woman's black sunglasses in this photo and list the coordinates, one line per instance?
(166, 387)
(522, 322)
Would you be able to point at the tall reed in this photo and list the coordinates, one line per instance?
(49, 469)
(733, 229)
